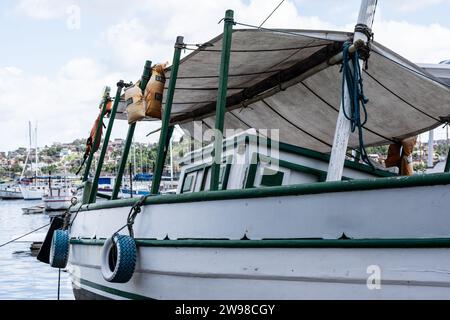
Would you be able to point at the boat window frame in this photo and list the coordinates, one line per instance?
(258, 157)
(205, 168)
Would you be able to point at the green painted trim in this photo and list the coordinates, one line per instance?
(287, 243)
(447, 165)
(120, 293)
(131, 128)
(222, 98)
(292, 190)
(166, 129)
(226, 177)
(98, 136)
(252, 169)
(101, 159)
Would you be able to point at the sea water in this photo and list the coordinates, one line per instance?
(22, 276)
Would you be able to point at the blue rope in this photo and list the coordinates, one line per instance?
(355, 88)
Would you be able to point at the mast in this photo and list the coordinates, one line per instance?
(171, 162)
(28, 153)
(431, 149)
(36, 154)
(343, 127)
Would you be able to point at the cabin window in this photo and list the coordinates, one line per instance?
(206, 179)
(188, 183)
(223, 178)
(272, 178)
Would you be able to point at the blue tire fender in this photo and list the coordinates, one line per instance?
(59, 249)
(118, 259)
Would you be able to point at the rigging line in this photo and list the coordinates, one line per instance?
(18, 238)
(337, 110)
(403, 100)
(271, 14)
(259, 50)
(291, 33)
(294, 125)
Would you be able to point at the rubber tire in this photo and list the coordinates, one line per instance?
(59, 249)
(125, 257)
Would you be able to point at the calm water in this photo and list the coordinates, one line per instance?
(21, 275)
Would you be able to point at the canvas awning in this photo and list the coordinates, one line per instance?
(265, 91)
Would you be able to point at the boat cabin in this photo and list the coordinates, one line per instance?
(252, 161)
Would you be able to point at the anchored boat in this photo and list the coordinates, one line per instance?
(10, 192)
(291, 213)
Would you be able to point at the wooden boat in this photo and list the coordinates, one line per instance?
(255, 218)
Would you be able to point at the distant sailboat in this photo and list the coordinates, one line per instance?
(36, 191)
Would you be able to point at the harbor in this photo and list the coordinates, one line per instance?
(262, 161)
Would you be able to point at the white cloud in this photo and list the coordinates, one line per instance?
(65, 104)
(414, 5)
(43, 9)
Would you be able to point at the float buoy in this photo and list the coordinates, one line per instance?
(119, 255)
(59, 249)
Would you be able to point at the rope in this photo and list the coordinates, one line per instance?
(134, 211)
(59, 283)
(271, 14)
(14, 240)
(354, 82)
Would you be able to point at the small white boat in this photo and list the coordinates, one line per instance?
(34, 210)
(9, 192)
(58, 198)
(32, 192)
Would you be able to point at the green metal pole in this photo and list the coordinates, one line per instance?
(447, 165)
(93, 195)
(123, 163)
(222, 99)
(97, 134)
(166, 129)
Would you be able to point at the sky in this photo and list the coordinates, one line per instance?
(57, 55)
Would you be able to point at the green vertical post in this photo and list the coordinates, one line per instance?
(222, 99)
(126, 151)
(97, 133)
(112, 118)
(447, 165)
(166, 129)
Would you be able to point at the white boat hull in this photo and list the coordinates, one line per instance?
(267, 274)
(57, 203)
(320, 272)
(31, 193)
(10, 195)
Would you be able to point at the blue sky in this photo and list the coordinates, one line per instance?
(52, 74)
